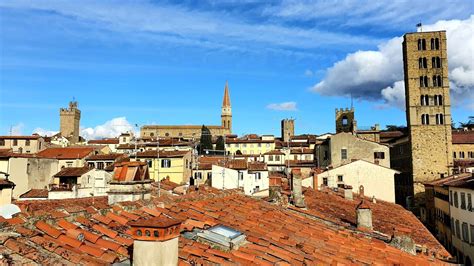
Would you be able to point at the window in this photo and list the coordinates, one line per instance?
(258, 176)
(469, 202)
(139, 232)
(424, 81)
(167, 134)
(439, 119)
(259, 145)
(456, 200)
(2, 142)
(100, 165)
(461, 155)
(343, 154)
(268, 145)
(454, 154)
(425, 119)
(438, 100)
(436, 62)
(244, 145)
(209, 175)
(27, 142)
(90, 165)
(270, 158)
(452, 226)
(421, 44)
(241, 176)
(425, 100)
(470, 154)
(463, 200)
(465, 232)
(165, 163)
(69, 164)
(325, 181)
(458, 233)
(451, 198)
(345, 121)
(197, 175)
(379, 155)
(277, 158)
(152, 134)
(472, 233)
(340, 178)
(422, 62)
(15, 142)
(124, 139)
(155, 233)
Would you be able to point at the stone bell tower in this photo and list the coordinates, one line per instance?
(345, 120)
(69, 122)
(226, 115)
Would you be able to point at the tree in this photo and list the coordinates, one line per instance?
(220, 145)
(205, 142)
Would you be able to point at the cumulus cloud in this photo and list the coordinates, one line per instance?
(44, 132)
(17, 129)
(378, 75)
(286, 106)
(109, 129)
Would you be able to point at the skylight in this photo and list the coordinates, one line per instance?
(222, 236)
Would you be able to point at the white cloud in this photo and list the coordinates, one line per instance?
(110, 129)
(177, 24)
(375, 75)
(44, 132)
(286, 106)
(17, 130)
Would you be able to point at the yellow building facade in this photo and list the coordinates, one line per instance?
(175, 165)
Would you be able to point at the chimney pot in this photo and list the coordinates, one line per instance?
(348, 192)
(297, 188)
(364, 216)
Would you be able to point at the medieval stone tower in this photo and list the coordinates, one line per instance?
(345, 120)
(226, 116)
(69, 122)
(428, 112)
(287, 129)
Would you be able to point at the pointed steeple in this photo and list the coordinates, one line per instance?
(226, 101)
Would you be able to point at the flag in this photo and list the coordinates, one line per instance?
(418, 25)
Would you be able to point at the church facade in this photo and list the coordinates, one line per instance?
(193, 131)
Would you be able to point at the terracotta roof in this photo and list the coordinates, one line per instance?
(300, 163)
(6, 183)
(464, 180)
(235, 164)
(104, 157)
(104, 141)
(66, 153)
(386, 217)
(35, 193)
(274, 234)
(302, 151)
(162, 154)
(166, 184)
(463, 137)
(274, 152)
(72, 172)
(21, 137)
(257, 166)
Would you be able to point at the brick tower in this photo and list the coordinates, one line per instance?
(287, 129)
(226, 115)
(345, 120)
(69, 122)
(428, 111)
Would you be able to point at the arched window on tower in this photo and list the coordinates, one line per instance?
(439, 119)
(437, 81)
(436, 62)
(423, 44)
(425, 119)
(432, 43)
(437, 44)
(419, 44)
(440, 99)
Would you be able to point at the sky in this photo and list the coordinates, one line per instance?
(133, 63)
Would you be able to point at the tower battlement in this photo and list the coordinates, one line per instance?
(70, 121)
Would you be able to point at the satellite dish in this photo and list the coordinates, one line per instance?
(8, 210)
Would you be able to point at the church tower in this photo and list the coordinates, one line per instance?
(69, 122)
(428, 106)
(345, 120)
(226, 115)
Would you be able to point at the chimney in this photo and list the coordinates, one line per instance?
(297, 188)
(315, 180)
(402, 240)
(348, 192)
(363, 213)
(155, 241)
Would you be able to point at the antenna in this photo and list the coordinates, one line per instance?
(352, 101)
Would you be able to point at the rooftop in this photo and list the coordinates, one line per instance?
(66, 153)
(303, 237)
(72, 172)
(463, 137)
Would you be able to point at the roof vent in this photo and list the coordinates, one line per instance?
(222, 236)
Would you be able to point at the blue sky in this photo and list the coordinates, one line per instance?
(166, 62)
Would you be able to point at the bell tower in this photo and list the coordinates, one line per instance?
(226, 115)
(345, 120)
(69, 122)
